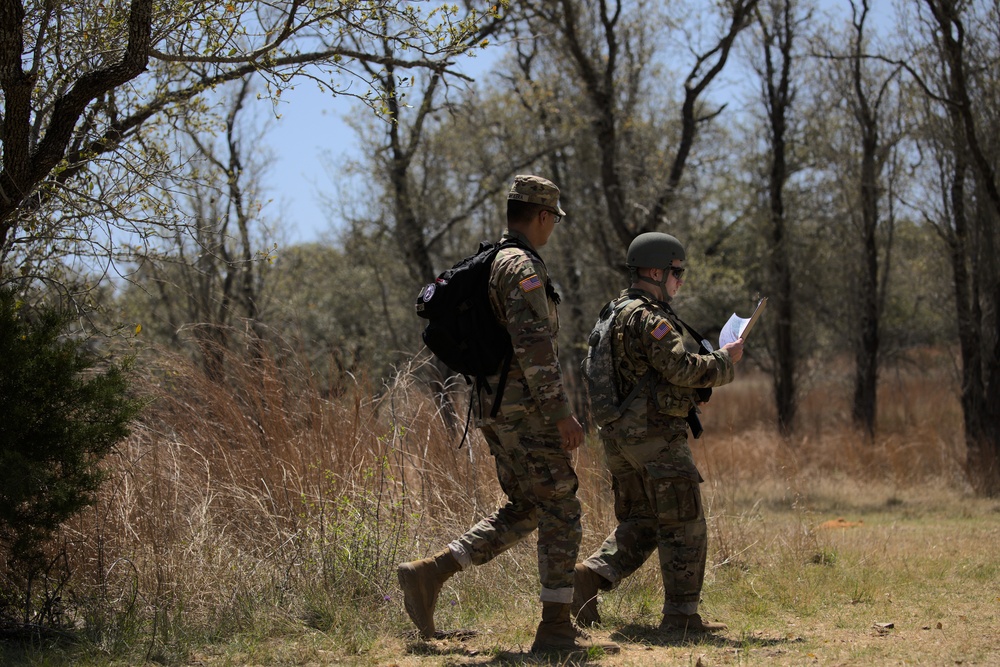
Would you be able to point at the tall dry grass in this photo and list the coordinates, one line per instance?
(253, 503)
(260, 505)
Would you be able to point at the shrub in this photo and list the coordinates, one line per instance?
(61, 416)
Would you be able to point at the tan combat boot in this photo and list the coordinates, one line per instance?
(556, 633)
(586, 584)
(421, 581)
(689, 623)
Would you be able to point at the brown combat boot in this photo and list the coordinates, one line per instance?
(421, 581)
(689, 623)
(556, 633)
(586, 584)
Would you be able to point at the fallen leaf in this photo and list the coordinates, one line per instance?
(939, 626)
(883, 628)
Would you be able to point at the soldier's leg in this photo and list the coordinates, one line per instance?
(634, 538)
(627, 547)
(512, 522)
(682, 540)
(422, 580)
(553, 487)
(682, 534)
(552, 483)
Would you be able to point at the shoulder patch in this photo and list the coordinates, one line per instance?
(661, 330)
(530, 283)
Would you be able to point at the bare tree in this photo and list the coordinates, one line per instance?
(958, 76)
(608, 55)
(870, 96)
(402, 142)
(207, 275)
(778, 33)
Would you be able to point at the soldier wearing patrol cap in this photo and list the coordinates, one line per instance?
(530, 436)
(655, 481)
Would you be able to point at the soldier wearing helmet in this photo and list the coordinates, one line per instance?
(656, 484)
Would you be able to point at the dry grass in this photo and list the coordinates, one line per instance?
(256, 523)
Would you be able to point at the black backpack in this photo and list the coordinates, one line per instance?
(462, 330)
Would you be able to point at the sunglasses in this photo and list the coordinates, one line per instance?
(678, 272)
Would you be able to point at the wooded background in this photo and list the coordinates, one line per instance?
(844, 168)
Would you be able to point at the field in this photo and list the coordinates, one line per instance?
(260, 524)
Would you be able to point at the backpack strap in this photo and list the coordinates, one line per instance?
(502, 382)
(480, 382)
(706, 346)
(505, 367)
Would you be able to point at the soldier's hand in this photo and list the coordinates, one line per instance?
(735, 349)
(571, 433)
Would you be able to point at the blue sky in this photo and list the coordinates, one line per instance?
(311, 125)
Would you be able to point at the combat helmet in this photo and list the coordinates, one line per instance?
(652, 250)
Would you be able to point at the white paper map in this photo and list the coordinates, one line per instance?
(737, 327)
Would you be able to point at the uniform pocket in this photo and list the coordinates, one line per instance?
(678, 499)
(674, 401)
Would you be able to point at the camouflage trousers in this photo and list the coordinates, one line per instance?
(658, 507)
(538, 477)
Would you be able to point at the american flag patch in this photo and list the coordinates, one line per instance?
(530, 283)
(661, 330)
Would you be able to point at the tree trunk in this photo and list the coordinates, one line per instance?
(977, 276)
(778, 100)
(867, 343)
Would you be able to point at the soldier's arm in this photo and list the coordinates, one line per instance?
(526, 308)
(664, 347)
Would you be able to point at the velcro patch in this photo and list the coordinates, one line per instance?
(661, 330)
(532, 282)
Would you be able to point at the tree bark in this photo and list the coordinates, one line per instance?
(23, 167)
(868, 299)
(978, 292)
(778, 99)
(979, 335)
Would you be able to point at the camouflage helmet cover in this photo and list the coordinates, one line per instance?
(653, 250)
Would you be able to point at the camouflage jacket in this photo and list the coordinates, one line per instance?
(652, 340)
(524, 301)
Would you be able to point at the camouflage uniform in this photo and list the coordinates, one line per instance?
(654, 478)
(534, 471)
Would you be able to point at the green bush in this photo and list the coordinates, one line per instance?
(59, 416)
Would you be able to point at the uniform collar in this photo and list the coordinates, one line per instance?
(640, 292)
(512, 234)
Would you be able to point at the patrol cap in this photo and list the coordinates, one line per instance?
(536, 190)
